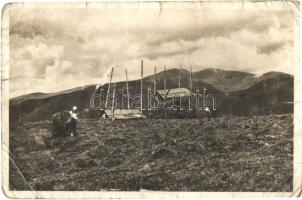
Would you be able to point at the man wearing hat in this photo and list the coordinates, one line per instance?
(72, 121)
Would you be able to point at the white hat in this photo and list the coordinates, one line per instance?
(74, 108)
(98, 86)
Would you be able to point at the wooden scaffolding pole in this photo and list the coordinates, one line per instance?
(127, 85)
(204, 103)
(113, 97)
(154, 80)
(179, 76)
(179, 87)
(142, 71)
(165, 78)
(191, 86)
(108, 90)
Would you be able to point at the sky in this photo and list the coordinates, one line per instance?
(61, 47)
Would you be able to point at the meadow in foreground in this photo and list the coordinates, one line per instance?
(225, 154)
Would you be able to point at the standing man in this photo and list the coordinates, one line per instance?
(208, 112)
(71, 124)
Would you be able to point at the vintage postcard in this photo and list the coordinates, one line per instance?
(151, 99)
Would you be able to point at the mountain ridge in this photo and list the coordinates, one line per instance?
(174, 72)
(264, 94)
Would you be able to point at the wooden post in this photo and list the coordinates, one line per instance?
(179, 87)
(204, 103)
(142, 71)
(102, 96)
(191, 86)
(128, 104)
(165, 78)
(154, 79)
(122, 99)
(108, 89)
(179, 76)
(113, 96)
(148, 99)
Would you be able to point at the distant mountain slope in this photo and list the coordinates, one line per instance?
(226, 81)
(34, 107)
(42, 107)
(273, 93)
(21, 98)
(230, 81)
(270, 93)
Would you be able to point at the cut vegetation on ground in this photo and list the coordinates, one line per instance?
(227, 154)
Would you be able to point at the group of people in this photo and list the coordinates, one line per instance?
(65, 122)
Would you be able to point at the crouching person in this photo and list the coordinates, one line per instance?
(65, 123)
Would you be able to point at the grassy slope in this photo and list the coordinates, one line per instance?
(226, 154)
(226, 81)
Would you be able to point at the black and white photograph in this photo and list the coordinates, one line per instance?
(151, 97)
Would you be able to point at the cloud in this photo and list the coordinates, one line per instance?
(76, 47)
(32, 30)
(269, 48)
(223, 27)
(169, 49)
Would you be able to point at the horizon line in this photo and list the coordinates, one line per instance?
(96, 84)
